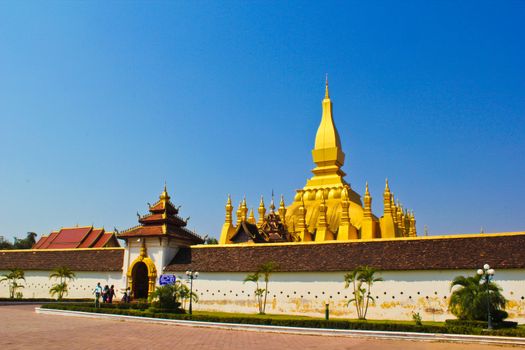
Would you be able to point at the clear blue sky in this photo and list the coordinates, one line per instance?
(101, 102)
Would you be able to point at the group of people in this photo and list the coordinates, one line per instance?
(108, 293)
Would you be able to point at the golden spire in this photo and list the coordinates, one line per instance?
(282, 210)
(322, 223)
(164, 195)
(239, 213)
(345, 204)
(244, 209)
(272, 205)
(327, 153)
(326, 94)
(229, 209)
(387, 199)
(367, 212)
(262, 212)
(251, 218)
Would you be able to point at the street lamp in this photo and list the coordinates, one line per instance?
(487, 274)
(191, 275)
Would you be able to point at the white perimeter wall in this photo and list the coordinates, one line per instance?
(400, 294)
(37, 284)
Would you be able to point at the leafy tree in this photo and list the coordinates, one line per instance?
(185, 294)
(254, 277)
(210, 240)
(12, 278)
(63, 274)
(170, 296)
(469, 299)
(19, 243)
(25, 243)
(362, 279)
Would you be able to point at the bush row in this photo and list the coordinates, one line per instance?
(481, 324)
(449, 327)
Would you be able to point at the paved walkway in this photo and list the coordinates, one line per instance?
(22, 328)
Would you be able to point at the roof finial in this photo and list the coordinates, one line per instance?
(326, 95)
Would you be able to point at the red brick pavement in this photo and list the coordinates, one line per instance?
(22, 328)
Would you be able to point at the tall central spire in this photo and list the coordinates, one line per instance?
(327, 153)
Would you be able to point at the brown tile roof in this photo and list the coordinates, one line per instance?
(107, 259)
(500, 251)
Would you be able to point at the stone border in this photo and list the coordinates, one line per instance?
(432, 337)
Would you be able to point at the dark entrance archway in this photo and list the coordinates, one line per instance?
(140, 281)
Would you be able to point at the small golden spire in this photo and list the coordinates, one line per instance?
(272, 204)
(164, 195)
(282, 209)
(262, 212)
(251, 218)
(367, 212)
(229, 209)
(326, 94)
(387, 188)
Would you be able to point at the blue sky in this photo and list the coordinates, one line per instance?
(101, 102)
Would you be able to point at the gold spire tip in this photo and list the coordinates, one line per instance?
(326, 94)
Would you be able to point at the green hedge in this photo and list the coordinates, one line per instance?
(481, 324)
(449, 327)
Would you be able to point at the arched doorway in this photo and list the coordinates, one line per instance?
(140, 281)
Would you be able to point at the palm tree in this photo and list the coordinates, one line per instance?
(351, 279)
(363, 275)
(12, 278)
(58, 289)
(469, 299)
(266, 270)
(64, 275)
(368, 276)
(254, 277)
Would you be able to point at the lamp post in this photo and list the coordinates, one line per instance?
(487, 274)
(191, 275)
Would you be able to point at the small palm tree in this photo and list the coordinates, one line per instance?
(362, 279)
(368, 276)
(469, 299)
(12, 278)
(254, 277)
(63, 274)
(266, 270)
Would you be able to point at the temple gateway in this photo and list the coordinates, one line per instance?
(328, 230)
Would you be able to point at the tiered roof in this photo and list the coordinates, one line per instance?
(162, 220)
(77, 237)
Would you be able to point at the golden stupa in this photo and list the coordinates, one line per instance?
(325, 209)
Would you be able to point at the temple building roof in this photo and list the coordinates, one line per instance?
(92, 259)
(77, 237)
(162, 220)
(503, 251)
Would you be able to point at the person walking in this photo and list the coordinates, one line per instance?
(97, 291)
(105, 294)
(111, 294)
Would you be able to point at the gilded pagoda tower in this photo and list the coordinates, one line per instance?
(327, 208)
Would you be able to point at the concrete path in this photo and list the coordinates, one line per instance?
(22, 328)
